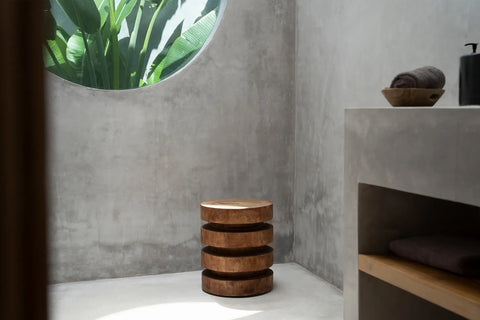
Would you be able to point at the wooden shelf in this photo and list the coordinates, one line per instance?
(458, 294)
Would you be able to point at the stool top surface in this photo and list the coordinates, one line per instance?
(236, 204)
(236, 211)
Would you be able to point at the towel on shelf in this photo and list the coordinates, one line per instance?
(457, 254)
(426, 77)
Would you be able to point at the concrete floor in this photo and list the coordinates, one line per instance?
(297, 294)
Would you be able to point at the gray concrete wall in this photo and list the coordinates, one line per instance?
(346, 52)
(129, 169)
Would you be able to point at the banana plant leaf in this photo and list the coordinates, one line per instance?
(58, 47)
(55, 59)
(83, 13)
(92, 47)
(144, 40)
(76, 51)
(78, 59)
(123, 10)
(209, 6)
(102, 7)
(56, 56)
(184, 47)
(155, 77)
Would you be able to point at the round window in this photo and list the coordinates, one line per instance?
(125, 44)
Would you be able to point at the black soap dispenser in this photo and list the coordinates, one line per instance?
(470, 77)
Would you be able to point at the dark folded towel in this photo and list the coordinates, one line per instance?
(452, 253)
(425, 77)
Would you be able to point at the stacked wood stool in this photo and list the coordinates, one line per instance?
(237, 258)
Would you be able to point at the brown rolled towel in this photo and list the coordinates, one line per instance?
(457, 254)
(426, 77)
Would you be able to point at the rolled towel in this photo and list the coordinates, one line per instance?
(425, 77)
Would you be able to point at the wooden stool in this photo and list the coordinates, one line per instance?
(237, 258)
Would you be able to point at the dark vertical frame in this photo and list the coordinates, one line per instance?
(23, 256)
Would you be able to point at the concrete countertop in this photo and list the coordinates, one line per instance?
(435, 154)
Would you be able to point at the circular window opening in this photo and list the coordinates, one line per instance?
(125, 44)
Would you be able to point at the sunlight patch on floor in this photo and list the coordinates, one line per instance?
(187, 310)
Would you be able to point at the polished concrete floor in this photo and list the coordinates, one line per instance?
(297, 294)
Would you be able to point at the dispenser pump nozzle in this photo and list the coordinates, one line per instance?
(474, 46)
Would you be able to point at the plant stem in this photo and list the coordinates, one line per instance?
(93, 77)
(141, 61)
(115, 49)
(133, 42)
(100, 50)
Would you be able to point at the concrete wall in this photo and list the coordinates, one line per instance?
(129, 169)
(346, 52)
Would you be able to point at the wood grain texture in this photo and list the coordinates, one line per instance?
(240, 260)
(237, 238)
(236, 211)
(237, 258)
(244, 285)
(458, 294)
(412, 97)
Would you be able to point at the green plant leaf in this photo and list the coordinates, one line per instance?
(132, 44)
(184, 48)
(58, 47)
(102, 7)
(142, 42)
(91, 53)
(115, 48)
(56, 56)
(123, 48)
(125, 7)
(101, 65)
(157, 66)
(62, 19)
(54, 59)
(75, 53)
(51, 53)
(62, 33)
(209, 6)
(155, 3)
(83, 13)
(61, 40)
(143, 53)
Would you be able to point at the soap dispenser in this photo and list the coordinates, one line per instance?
(470, 77)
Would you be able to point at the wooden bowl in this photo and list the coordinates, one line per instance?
(401, 97)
